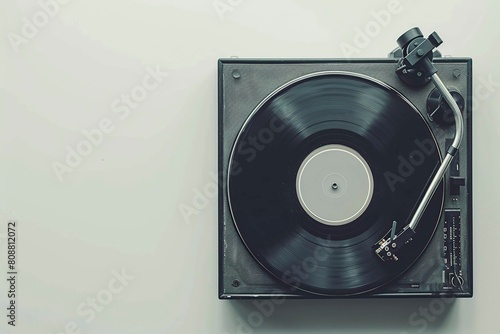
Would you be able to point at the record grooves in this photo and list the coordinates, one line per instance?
(346, 117)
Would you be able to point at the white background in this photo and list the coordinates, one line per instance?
(119, 208)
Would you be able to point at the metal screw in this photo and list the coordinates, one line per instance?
(236, 283)
(236, 74)
(456, 73)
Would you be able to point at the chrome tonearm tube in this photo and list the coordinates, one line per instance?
(416, 68)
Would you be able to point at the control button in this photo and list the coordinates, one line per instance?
(455, 184)
(438, 109)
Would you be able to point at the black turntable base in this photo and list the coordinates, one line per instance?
(319, 161)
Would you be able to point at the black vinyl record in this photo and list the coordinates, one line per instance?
(332, 108)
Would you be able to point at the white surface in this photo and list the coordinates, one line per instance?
(119, 209)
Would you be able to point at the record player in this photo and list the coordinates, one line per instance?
(346, 177)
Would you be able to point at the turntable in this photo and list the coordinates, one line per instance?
(346, 177)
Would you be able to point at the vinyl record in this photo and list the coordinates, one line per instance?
(318, 173)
